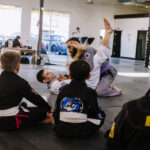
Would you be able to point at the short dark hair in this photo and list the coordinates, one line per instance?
(39, 76)
(73, 39)
(78, 28)
(9, 60)
(79, 70)
(18, 37)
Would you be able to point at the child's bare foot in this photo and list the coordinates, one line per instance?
(49, 118)
(119, 90)
(108, 27)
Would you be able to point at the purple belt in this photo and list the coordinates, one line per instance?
(105, 68)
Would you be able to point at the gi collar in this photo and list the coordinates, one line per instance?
(50, 83)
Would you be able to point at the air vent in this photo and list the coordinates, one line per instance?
(133, 1)
(137, 3)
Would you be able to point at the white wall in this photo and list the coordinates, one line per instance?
(129, 28)
(87, 17)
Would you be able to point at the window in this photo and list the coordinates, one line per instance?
(55, 31)
(10, 25)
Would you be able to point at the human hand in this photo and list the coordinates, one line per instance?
(76, 45)
(61, 78)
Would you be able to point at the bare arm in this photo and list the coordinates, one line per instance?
(80, 48)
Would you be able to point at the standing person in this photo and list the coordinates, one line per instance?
(102, 73)
(131, 127)
(100, 40)
(16, 42)
(13, 88)
(77, 113)
(76, 33)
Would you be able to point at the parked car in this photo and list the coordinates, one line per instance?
(2, 40)
(51, 43)
(55, 43)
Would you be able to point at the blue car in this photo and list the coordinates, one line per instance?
(2, 40)
(54, 43)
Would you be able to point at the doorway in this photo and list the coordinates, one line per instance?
(116, 44)
(141, 45)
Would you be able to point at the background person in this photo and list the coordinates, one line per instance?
(76, 33)
(100, 40)
(17, 43)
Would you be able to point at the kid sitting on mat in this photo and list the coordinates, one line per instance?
(14, 115)
(77, 113)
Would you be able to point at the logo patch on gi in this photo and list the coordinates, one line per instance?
(111, 134)
(147, 121)
(87, 55)
(71, 105)
(32, 90)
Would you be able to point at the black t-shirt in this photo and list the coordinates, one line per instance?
(16, 43)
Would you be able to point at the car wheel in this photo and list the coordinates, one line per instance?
(53, 48)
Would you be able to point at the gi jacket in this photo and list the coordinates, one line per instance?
(13, 88)
(77, 112)
(131, 128)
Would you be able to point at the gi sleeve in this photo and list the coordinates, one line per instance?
(115, 136)
(34, 97)
(56, 85)
(91, 50)
(100, 57)
(104, 52)
(95, 111)
(57, 106)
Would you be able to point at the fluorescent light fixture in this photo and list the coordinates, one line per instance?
(137, 75)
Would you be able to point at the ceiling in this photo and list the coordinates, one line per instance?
(145, 5)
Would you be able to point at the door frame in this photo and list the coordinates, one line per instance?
(120, 42)
(137, 42)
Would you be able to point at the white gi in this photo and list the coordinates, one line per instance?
(95, 59)
(103, 53)
(55, 85)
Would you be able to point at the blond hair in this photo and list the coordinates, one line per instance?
(9, 60)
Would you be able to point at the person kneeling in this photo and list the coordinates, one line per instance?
(77, 113)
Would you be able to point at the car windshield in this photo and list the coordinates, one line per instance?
(63, 39)
(1, 38)
(45, 37)
(55, 38)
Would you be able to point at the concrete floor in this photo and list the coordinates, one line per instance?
(133, 79)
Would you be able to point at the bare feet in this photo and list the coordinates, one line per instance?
(117, 89)
(107, 26)
(49, 118)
